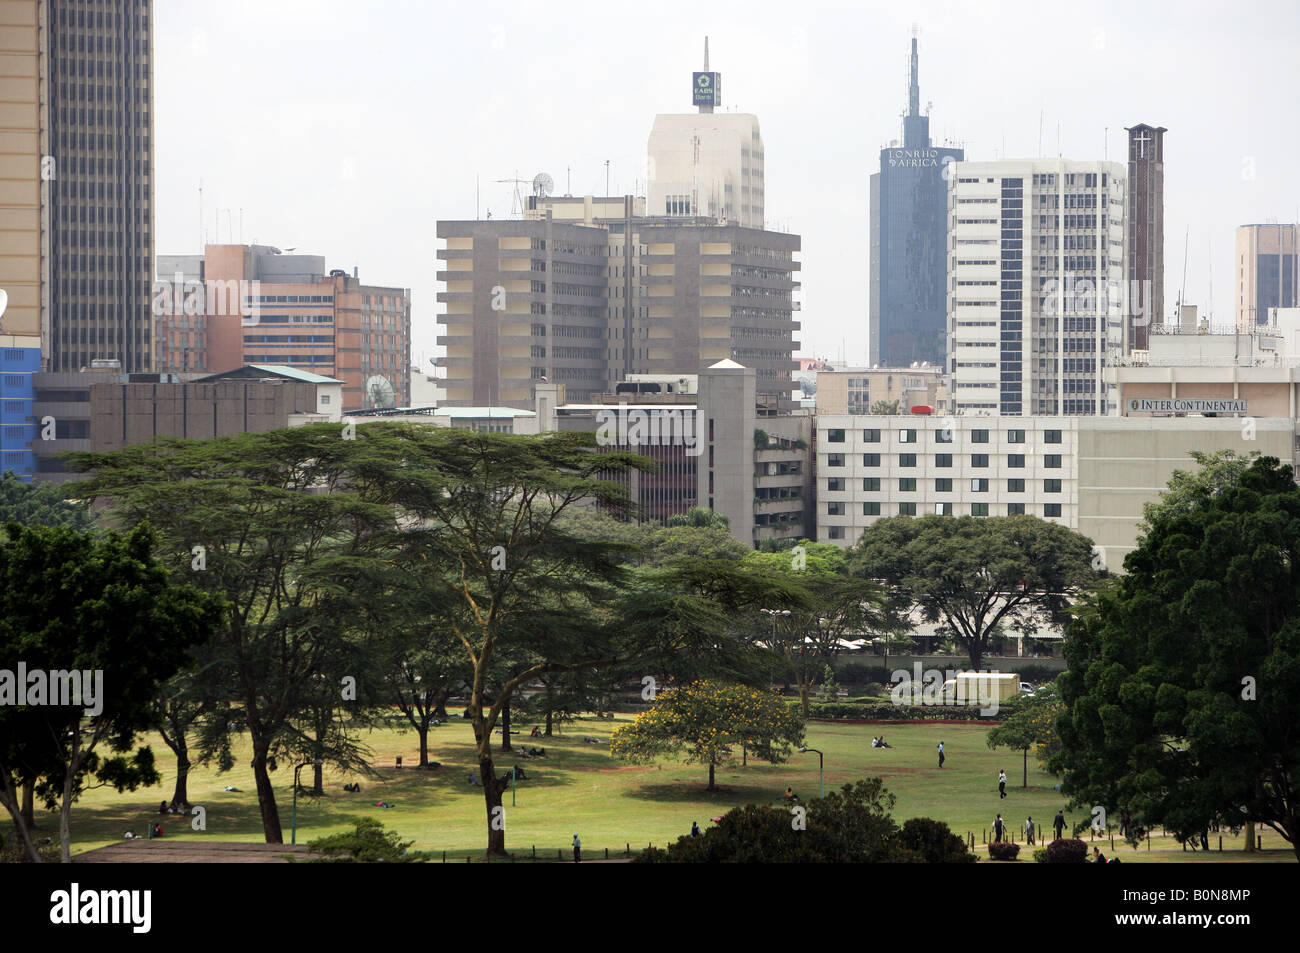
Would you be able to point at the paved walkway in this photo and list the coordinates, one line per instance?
(189, 852)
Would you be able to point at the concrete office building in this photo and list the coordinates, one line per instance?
(588, 304)
(706, 163)
(1146, 233)
(1092, 474)
(857, 390)
(1036, 275)
(1267, 269)
(76, 179)
(253, 304)
(909, 232)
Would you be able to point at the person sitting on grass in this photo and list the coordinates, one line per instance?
(884, 743)
(519, 773)
(790, 795)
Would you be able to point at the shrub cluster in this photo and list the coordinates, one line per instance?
(1067, 850)
(1003, 850)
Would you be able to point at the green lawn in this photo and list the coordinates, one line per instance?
(579, 788)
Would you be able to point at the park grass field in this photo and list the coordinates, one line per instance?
(579, 788)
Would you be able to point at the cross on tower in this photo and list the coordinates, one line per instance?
(1142, 139)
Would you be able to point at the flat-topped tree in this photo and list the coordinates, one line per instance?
(978, 575)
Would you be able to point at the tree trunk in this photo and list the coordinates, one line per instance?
(10, 800)
(803, 696)
(1250, 837)
(266, 799)
(505, 728)
(712, 786)
(1024, 780)
(181, 793)
(492, 789)
(318, 778)
(423, 731)
(549, 715)
(29, 804)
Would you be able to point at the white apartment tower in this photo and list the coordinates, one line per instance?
(1036, 285)
(706, 164)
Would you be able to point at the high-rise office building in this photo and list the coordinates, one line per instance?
(1267, 272)
(1037, 269)
(588, 301)
(706, 163)
(1146, 234)
(909, 233)
(96, 141)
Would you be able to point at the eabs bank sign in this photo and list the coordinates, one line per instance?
(912, 158)
(706, 89)
(1185, 405)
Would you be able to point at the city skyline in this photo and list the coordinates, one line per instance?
(375, 120)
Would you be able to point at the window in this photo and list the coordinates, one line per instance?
(834, 509)
(943, 509)
(1051, 436)
(871, 436)
(943, 459)
(907, 436)
(1016, 486)
(943, 435)
(835, 436)
(835, 532)
(835, 460)
(1016, 461)
(1015, 436)
(979, 459)
(1052, 509)
(835, 484)
(907, 485)
(979, 485)
(1051, 486)
(1015, 509)
(324, 399)
(1052, 461)
(979, 509)
(943, 485)
(871, 459)
(870, 509)
(907, 459)
(871, 484)
(906, 509)
(979, 436)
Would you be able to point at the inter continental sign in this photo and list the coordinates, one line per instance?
(1186, 405)
(706, 88)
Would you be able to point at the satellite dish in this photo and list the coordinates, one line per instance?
(542, 184)
(4, 301)
(380, 391)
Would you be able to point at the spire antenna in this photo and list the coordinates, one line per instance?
(706, 54)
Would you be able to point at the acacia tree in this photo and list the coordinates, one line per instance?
(1033, 725)
(277, 525)
(978, 575)
(1183, 687)
(81, 608)
(709, 720)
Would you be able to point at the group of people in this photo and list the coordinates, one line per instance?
(353, 788)
(165, 808)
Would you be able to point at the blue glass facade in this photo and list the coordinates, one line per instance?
(909, 245)
(17, 423)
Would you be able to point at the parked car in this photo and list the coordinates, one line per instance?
(1027, 689)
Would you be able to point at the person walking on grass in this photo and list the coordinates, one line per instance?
(941, 754)
(1002, 784)
(1029, 830)
(577, 850)
(999, 828)
(1058, 824)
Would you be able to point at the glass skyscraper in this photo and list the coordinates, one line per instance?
(909, 224)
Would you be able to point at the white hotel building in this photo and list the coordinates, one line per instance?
(1035, 285)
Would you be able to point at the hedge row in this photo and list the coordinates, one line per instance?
(884, 711)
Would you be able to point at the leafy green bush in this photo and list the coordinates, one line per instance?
(1067, 850)
(860, 672)
(935, 842)
(1003, 850)
(366, 843)
(1040, 855)
(884, 711)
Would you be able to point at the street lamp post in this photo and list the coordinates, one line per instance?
(293, 836)
(821, 776)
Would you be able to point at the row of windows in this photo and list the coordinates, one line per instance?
(941, 435)
(941, 485)
(1015, 461)
(1050, 510)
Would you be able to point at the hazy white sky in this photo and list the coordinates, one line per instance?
(347, 128)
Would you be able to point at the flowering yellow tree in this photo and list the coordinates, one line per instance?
(710, 720)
